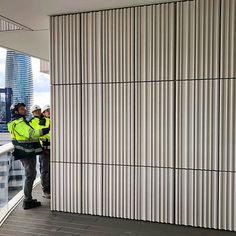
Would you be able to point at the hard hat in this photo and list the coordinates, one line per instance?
(46, 107)
(14, 107)
(35, 108)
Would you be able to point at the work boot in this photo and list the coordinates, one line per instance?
(31, 204)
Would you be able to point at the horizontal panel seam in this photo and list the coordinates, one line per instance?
(145, 166)
(144, 81)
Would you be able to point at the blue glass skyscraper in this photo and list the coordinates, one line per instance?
(19, 77)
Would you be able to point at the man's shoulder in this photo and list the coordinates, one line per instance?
(16, 122)
(34, 120)
(19, 120)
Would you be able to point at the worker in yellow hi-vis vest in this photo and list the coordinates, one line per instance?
(26, 146)
(40, 121)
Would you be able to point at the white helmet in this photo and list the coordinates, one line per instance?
(46, 107)
(35, 108)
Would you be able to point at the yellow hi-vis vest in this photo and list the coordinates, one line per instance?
(35, 123)
(45, 139)
(24, 138)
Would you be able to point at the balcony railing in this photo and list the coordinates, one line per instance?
(11, 181)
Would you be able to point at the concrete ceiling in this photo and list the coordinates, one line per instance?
(34, 14)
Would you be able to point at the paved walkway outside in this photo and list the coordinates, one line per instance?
(42, 221)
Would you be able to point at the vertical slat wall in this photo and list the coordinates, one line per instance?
(91, 76)
(197, 113)
(144, 113)
(227, 129)
(154, 113)
(205, 114)
(66, 94)
(118, 113)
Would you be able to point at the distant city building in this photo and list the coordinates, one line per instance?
(19, 77)
(5, 103)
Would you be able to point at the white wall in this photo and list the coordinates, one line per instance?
(144, 113)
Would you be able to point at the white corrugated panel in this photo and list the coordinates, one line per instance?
(118, 191)
(228, 39)
(227, 132)
(196, 198)
(65, 49)
(92, 189)
(118, 124)
(206, 128)
(117, 45)
(227, 201)
(154, 124)
(66, 112)
(184, 124)
(66, 187)
(197, 119)
(91, 47)
(184, 197)
(185, 40)
(154, 42)
(154, 194)
(207, 38)
(206, 187)
(92, 107)
(198, 39)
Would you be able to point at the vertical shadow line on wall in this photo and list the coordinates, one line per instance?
(134, 122)
(174, 112)
(219, 119)
(63, 115)
(194, 107)
(81, 110)
(102, 108)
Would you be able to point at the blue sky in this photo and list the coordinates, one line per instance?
(41, 80)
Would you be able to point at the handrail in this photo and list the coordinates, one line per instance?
(6, 148)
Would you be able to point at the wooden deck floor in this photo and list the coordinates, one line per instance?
(42, 221)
